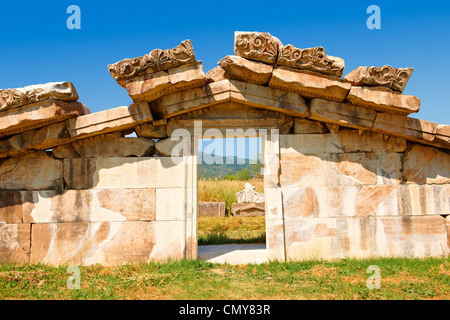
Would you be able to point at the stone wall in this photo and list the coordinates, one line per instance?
(107, 210)
(353, 194)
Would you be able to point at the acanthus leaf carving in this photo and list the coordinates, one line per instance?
(312, 59)
(386, 76)
(394, 78)
(156, 60)
(12, 98)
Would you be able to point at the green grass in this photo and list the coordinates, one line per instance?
(213, 230)
(344, 279)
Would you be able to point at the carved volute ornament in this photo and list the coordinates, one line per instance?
(386, 76)
(258, 46)
(313, 59)
(156, 60)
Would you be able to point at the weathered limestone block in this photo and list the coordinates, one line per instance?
(164, 147)
(46, 137)
(39, 114)
(192, 99)
(249, 195)
(172, 204)
(343, 114)
(426, 165)
(216, 74)
(152, 86)
(346, 141)
(236, 91)
(309, 84)
(392, 78)
(364, 237)
(211, 209)
(11, 146)
(365, 201)
(15, 243)
(267, 98)
(129, 173)
(312, 59)
(248, 209)
(447, 219)
(314, 144)
(89, 205)
(305, 126)
(10, 206)
(65, 151)
(350, 140)
(38, 139)
(152, 130)
(383, 100)
(327, 238)
(443, 134)
(364, 168)
(156, 60)
(258, 46)
(298, 169)
(105, 146)
(238, 68)
(33, 171)
(13, 98)
(303, 170)
(409, 236)
(106, 243)
(275, 239)
(407, 128)
(116, 119)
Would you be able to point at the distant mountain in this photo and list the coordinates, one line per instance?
(220, 170)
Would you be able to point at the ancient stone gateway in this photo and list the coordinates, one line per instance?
(347, 172)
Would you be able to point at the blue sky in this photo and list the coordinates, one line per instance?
(36, 46)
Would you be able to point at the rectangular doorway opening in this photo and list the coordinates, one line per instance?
(231, 220)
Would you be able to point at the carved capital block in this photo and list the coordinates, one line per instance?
(312, 59)
(259, 46)
(392, 78)
(156, 60)
(12, 98)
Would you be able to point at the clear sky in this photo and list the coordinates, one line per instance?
(37, 47)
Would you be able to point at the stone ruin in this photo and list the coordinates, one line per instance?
(350, 174)
(249, 202)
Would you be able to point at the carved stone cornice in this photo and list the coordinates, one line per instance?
(156, 60)
(313, 59)
(387, 76)
(13, 98)
(259, 46)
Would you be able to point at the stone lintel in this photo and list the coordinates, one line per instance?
(309, 84)
(116, 119)
(39, 114)
(152, 86)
